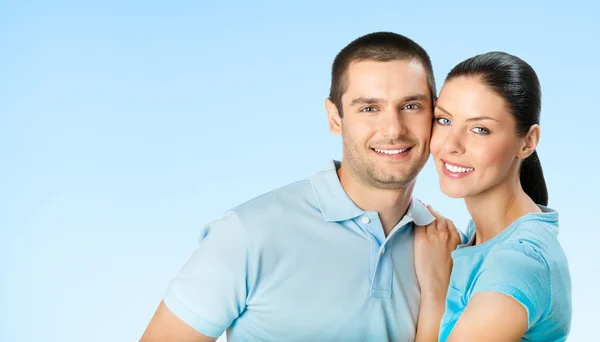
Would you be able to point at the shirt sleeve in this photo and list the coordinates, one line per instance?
(517, 269)
(209, 292)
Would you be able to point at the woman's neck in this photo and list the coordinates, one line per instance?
(495, 209)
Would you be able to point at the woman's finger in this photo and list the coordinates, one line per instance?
(452, 229)
(431, 228)
(440, 221)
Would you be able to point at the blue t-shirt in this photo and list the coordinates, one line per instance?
(525, 262)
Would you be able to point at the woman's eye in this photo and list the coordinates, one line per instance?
(480, 130)
(443, 121)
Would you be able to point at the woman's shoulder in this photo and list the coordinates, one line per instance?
(532, 266)
(537, 223)
(519, 247)
(536, 234)
(530, 254)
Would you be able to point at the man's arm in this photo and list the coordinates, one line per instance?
(209, 292)
(491, 316)
(166, 327)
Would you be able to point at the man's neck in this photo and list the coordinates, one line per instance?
(390, 204)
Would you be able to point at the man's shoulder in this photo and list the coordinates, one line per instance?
(285, 195)
(276, 205)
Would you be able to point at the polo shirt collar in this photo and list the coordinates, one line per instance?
(332, 199)
(418, 213)
(336, 206)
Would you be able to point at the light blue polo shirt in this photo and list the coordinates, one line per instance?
(525, 262)
(302, 263)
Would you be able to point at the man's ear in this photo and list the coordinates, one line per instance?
(335, 120)
(530, 142)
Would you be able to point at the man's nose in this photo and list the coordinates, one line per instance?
(391, 124)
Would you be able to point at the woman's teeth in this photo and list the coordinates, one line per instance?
(453, 168)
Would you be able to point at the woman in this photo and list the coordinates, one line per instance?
(511, 281)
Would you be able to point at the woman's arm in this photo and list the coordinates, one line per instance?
(491, 316)
(511, 292)
(433, 264)
(430, 314)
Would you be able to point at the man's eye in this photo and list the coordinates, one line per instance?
(443, 121)
(368, 109)
(412, 106)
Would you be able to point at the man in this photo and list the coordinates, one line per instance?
(329, 258)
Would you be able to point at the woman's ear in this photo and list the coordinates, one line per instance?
(530, 141)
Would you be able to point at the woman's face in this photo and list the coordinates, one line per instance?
(474, 141)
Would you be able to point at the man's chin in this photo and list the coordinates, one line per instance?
(392, 183)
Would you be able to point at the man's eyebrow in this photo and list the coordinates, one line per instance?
(475, 118)
(374, 100)
(415, 97)
(366, 100)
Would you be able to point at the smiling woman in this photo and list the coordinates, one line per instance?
(492, 107)
(511, 280)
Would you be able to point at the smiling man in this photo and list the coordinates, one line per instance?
(329, 258)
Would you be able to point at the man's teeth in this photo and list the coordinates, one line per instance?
(390, 151)
(457, 168)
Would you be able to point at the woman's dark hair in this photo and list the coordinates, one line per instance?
(517, 83)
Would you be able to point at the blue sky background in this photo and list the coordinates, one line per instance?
(126, 126)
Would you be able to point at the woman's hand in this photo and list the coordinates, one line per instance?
(433, 261)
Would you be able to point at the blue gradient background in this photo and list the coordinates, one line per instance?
(124, 127)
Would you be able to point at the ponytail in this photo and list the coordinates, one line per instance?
(532, 179)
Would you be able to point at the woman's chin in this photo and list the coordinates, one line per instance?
(453, 193)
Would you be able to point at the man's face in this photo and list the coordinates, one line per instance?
(386, 123)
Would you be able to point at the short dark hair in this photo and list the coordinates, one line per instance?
(377, 46)
(517, 83)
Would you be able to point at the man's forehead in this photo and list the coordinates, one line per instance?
(391, 79)
(403, 70)
(372, 65)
